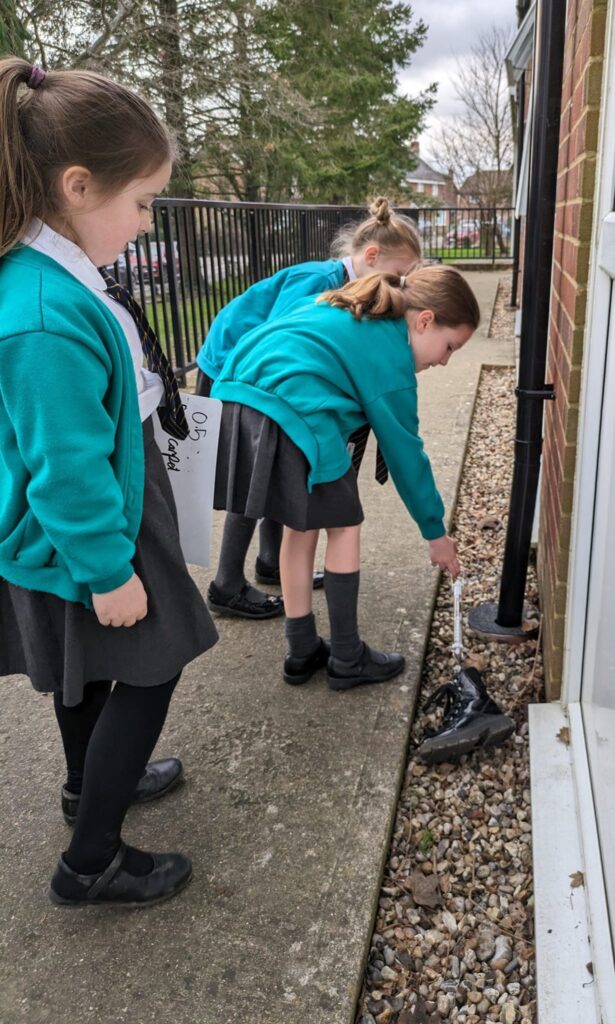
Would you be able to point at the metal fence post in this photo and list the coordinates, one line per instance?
(495, 234)
(304, 236)
(178, 343)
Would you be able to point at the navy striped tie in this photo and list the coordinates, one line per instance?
(172, 416)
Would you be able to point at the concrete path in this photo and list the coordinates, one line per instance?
(286, 811)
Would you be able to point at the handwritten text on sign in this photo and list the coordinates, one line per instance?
(191, 465)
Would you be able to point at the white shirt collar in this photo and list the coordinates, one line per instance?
(44, 239)
(347, 261)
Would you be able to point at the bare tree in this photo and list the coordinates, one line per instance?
(477, 147)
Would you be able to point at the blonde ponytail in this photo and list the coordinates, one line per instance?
(443, 290)
(388, 230)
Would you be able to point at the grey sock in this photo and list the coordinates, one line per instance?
(269, 539)
(238, 532)
(301, 635)
(342, 593)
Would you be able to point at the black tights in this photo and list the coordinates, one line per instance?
(76, 726)
(108, 740)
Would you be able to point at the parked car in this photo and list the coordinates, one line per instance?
(129, 264)
(159, 261)
(464, 235)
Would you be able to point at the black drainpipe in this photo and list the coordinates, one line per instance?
(505, 619)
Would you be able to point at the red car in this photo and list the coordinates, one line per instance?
(464, 235)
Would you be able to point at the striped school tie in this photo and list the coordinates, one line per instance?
(172, 416)
(359, 440)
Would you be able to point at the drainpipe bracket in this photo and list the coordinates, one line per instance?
(545, 394)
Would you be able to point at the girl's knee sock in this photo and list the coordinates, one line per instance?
(342, 593)
(236, 537)
(301, 635)
(76, 727)
(269, 539)
(120, 746)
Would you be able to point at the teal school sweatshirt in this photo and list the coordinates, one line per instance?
(71, 442)
(320, 374)
(265, 300)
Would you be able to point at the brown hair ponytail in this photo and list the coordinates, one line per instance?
(443, 290)
(51, 120)
(390, 231)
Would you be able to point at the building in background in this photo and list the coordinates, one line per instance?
(574, 788)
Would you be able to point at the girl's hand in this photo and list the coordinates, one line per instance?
(443, 553)
(123, 606)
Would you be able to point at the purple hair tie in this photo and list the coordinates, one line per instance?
(37, 75)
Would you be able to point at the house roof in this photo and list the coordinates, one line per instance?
(491, 178)
(423, 172)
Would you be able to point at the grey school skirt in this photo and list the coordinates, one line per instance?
(261, 473)
(61, 645)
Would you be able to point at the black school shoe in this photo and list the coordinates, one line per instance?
(371, 667)
(116, 886)
(241, 606)
(471, 719)
(158, 778)
(299, 670)
(270, 576)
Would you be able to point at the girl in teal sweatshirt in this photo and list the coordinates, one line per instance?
(384, 241)
(93, 585)
(295, 390)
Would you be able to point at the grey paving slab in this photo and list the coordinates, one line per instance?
(286, 810)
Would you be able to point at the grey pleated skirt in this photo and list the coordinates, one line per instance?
(61, 645)
(261, 473)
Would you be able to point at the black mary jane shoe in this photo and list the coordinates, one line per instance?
(115, 886)
(270, 576)
(299, 670)
(159, 777)
(241, 606)
(370, 667)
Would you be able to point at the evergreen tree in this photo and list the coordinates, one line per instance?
(12, 32)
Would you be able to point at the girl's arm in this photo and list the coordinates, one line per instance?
(53, 389)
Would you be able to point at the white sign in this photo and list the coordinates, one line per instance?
(191, 465)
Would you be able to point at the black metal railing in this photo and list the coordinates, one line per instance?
(200, 254)
(470, 233)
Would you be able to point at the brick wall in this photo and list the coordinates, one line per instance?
(581, 93)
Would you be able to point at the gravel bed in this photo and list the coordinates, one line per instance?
(502, 319)
(454, 925)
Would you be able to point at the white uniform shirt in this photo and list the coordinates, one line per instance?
(44, 239)
(347, 261)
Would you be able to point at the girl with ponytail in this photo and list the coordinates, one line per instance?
(93, 585)
(385, 241)
(294, 391)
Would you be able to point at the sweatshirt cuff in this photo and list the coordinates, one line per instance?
(112, 582)
(432, 531)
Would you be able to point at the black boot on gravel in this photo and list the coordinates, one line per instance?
(471, 719)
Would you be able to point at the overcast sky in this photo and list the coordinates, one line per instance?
(452, 27)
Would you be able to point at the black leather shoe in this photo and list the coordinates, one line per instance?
(471, 719)
(158, 778)
(241, 605)
(170, 873)
(270, 576)
(371, 667)
(300, 670)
